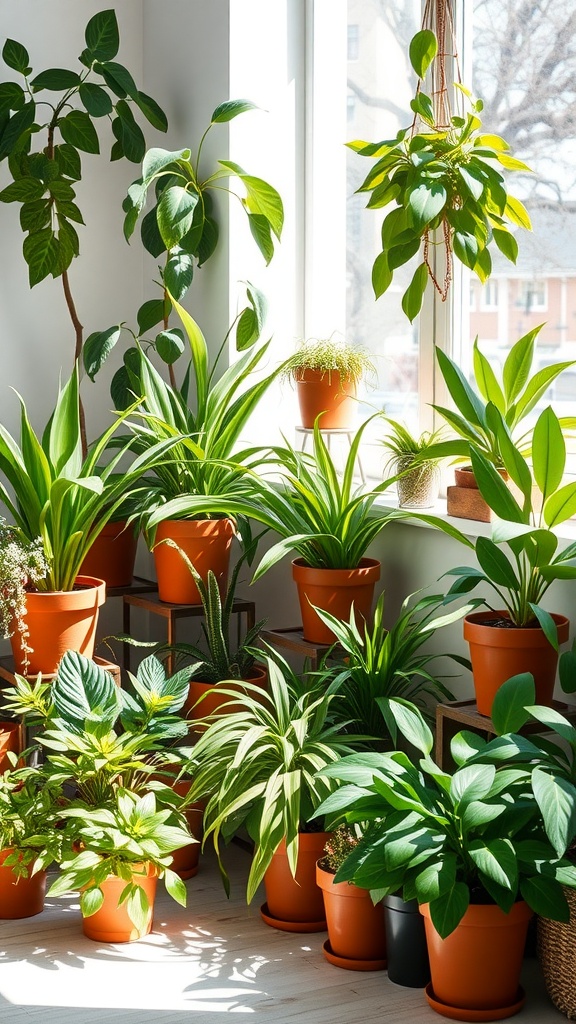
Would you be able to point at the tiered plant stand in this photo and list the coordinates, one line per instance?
(292, 639)
(456, 715)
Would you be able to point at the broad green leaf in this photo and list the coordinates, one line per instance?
(510, 702)
(560, 506)
(412, 725)
(55, 80)
(34, 216)
(230, 109)
(494, 490)
(473, 782)
(426, 202)
(17, 125)
(69, 161)
(175, 213)
(150, 313)
(517, 213)
(97, 348)
(545, 897)
(152, 111)
(486, 381)
(102, 36)
(466, 248)
(548, 453)
(547, 623)
(262, 198)
(169, 345)
(465, 399)
(259, 229)
(16, 56)
(77, 130)
(414, 294)
(178, 273)
(381, 274)
(556, 799)
(251, 321)
(117, 78)
(567, 671)
(95, 99)
(400, 254)
(494, 563)
(132, 138)
(506, 243)
(23, 190)
(423, 49)
(496, 859)
(11, 97)
(447, 912)
(156, 160)
(151, 238)
(41, 253)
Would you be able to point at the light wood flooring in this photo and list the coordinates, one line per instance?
(202, 964)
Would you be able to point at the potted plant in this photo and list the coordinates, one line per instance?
(50, 120)
(321, 516)
(30, 839)
(372, 664)
(471, 847)
(519, 563)
(489, 414)
(56, 495)
(327, 373)
(257, 769)
(22, 564)
(441, 177)
(356, 934)
(418, 473)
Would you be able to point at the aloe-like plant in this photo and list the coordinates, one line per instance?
(182, 228)
(444, 177)
(257, 767)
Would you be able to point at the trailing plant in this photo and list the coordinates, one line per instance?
(444, 177)
(182, 228)
(22, 564)
(522, 558)
(375, 664)
(328, 355)
(495, 407)
(257, 767)
(44, 177)
(476, 835)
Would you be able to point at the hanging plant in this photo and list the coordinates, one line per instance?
(443, 178)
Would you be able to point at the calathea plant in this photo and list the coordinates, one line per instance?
(443, 178)
(46, 123)
(181, 227)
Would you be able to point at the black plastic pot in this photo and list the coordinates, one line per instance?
(407, 952)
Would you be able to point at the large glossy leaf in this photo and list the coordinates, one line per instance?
(494, 490)
(97, 348)
(510, 702)
(548, 453)
(101, 35)
(448, 910)
(561, 505)
(176, 213)
(414, 294)
(230, 109)
(83, 690)
(78, 131)
(485, 377)
(465, 399)
(497, 567)
(556, 799)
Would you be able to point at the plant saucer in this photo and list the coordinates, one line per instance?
(349, 964)
(466, 1014)
(290, 926)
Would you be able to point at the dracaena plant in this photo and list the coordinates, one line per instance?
(56, 494)
(448, 839)
(182, 228)
(46, 122)
(523, 557)
(494, 406)
(443, 179)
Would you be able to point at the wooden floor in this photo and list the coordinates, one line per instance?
(201, 964)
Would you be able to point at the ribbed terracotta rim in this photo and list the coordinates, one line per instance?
(478, 630)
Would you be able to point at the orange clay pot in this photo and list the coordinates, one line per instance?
(213, 701)
(111, 923)
(19, 896)
(477, 967)
(327, 394)
(356, 928)
(57, 622)
(335, 591)
(207, 543)
(185, 859)
(112, 555)
(497, 653)
(9, 740)
(296, 899)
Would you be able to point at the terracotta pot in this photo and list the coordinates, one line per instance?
(60, 621)
(111, 923)
(497, 653)
(185, 860)
(112, 555)
(355, 926)
(214, 702)
(296, 899)
(335, 591)
(478, 966)
(19, 896)
(9, 740)
(207, 543)
(325, 392)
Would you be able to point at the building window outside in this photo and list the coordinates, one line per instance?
(489, 295)
(532, 295)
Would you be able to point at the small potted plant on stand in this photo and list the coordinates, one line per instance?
(327, 373)
(472, 847)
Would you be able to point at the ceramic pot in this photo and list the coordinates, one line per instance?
(296, 900)
(419, 487)
(185, 860)
(477, 967)
(213, 701)
(335, 591)
(406, 947)
(111, 922)
(57, 622)
(355, 926)
(207, 542)
(497, 653)
(9, 740)
(327, 394)
(112, 555)
(20, 896)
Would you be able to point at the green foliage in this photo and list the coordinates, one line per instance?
(521, 559)
(59, 496)
(43, 169)
(328, 355)
(445, 180)
(342, 840)
(22, 564)
(29, 813)
(376, 664)
(258, 766)
(489, 414)
(478, 834)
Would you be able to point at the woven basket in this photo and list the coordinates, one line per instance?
(557, 953)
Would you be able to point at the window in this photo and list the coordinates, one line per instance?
(353, 42)
(489, 295)
(532, 295)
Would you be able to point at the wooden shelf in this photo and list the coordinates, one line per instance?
(292, 639)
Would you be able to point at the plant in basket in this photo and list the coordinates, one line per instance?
(418, 480)
(519, 562)
(471, 846)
